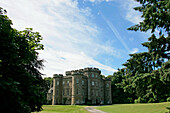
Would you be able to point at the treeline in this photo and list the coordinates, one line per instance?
(146, 76)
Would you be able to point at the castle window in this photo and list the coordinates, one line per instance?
(83, 82)
(96, 84)
(96, 76)
(96, 93)
(107, 85)
(77, 91)
(92, 92)
(63, 92)
(63, 82)
(83, 92)
(57, 83)
(68, 91)
(92, 75)
(57, 91)
(92, 83)
(67, 82)
(77, 80)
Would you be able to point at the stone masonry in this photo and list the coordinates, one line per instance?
(83, 86)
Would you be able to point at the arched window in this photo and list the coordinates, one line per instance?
(82, 82)
(92, 75)
(92, 83)
(77, 80)
(57, 83)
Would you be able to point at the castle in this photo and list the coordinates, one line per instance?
(83, 86)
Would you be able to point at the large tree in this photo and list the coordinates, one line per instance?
(147, 74)
(21, 84)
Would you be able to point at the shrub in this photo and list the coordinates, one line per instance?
(151, 100)
(168, 99)
(140, 100)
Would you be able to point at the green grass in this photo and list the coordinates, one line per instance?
(63, 109)
(136, 108)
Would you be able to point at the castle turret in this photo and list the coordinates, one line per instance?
(93, 84)
(76, 87)
(107, 90)
(57, 89)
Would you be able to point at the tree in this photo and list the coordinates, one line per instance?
(156, 16)
(21, 84)
(118, 94)
(48, 85)
(146, 76)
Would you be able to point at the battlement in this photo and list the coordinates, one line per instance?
(57, 75)
(91, 69)
(76, 72)
(68, 73)
(107, 79)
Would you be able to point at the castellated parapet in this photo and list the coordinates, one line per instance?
(83, 86)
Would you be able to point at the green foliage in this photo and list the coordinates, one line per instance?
(146, 76)
(156, 15)
(168, 99)
(21, 84)
(151, 100)
(48, 84)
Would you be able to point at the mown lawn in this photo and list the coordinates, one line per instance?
(136, 108)
(63, 109)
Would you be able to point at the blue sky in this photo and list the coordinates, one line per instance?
(80, 33)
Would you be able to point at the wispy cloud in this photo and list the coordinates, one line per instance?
(99, 1)
(114, 30)
(70, 38)
(130, 14)
(134, 50)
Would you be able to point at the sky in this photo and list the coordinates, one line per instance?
(80, 33)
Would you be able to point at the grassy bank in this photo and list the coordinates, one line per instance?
(63, 109)
(136, 108)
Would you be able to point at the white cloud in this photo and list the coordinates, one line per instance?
(130, 14)
(99, 1)
(62, 61)
(135, 50)
(70, 38)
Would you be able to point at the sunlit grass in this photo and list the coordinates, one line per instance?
(137, 108)
(63, 109)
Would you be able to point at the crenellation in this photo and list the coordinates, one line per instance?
(68, 73)
(57, 75)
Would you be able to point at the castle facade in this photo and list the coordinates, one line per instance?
(83, 86)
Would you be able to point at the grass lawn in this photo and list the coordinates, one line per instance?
(136, 108)
(63, 109)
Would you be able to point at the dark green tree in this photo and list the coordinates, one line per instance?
(147, 74)
(21, 84)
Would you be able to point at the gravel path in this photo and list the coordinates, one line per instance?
(92, 109)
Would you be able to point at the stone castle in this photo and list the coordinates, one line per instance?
(83, 86)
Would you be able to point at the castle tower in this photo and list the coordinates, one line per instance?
(93, 75)
(57, 89)
(76, 87)
(107, 90)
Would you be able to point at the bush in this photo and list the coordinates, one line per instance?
(140, 100)
(168, 99)
(151, 100)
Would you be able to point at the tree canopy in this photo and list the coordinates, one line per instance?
(21, 83)
(146, 76)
